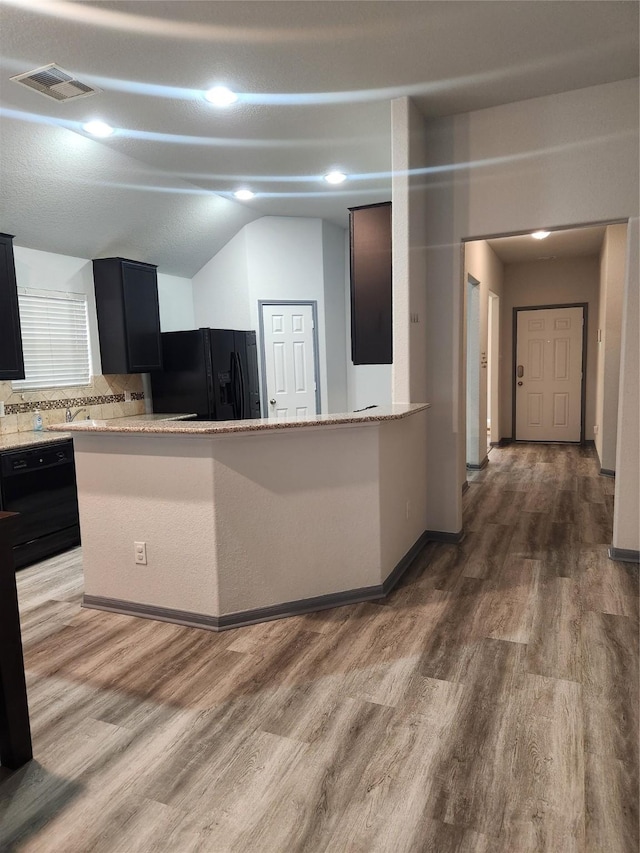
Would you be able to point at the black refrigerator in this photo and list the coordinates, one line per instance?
(212, 372)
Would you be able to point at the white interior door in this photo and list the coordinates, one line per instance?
(289, 360)
(549, 374)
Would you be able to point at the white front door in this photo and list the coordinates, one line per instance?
(289, 360)
(549, 374)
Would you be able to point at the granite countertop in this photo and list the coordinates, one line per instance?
(58, 432)
(163, 426)
(31, 438)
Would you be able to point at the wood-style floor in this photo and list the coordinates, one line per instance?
(489, 705)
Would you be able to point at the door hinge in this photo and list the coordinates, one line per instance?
(315, 387)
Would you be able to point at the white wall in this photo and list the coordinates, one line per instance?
(552, 282)
(333, 264)
(481, 262)
(175, 297)
(612, 273)
(50, 271)
(409, 225)
(221, 288)
(561, 160)
(285, 262)
(289, 259)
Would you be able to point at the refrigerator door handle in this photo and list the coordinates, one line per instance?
(211, 390)
(234, 385)
(243, 412)
(238, 386)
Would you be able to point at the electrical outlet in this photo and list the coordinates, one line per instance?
(1, 408)
(140, 550)
(595, 429)
(127, 396)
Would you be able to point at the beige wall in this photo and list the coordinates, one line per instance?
(409, 227)
(557, 161)
(626, 511)
(553, 282)
(612, 275)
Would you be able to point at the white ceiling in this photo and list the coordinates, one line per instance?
(316, 80)
(566, 243)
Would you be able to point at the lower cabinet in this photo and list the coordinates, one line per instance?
(40, 484)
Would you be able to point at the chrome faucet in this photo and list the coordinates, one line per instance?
(71, 417)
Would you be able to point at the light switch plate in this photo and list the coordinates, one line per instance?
(1, 408)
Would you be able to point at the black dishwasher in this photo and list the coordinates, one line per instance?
(40, 484)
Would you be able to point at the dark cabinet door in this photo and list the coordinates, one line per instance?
(142, 317)
(128, 315)
(371, 296)
(11, 362)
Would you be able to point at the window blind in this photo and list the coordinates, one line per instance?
(55, 339)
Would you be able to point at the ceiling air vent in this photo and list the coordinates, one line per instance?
(56, 83)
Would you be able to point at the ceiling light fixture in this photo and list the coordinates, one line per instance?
(335, 177)
(220, 96)
(540, 235)
(98, 128)
(244, 195)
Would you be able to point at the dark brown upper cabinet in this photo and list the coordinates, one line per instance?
(11, 361)
(128, 315)
(371, 297)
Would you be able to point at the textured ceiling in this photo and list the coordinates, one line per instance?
(315, 78)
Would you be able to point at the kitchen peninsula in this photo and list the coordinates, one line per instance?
(244, 521)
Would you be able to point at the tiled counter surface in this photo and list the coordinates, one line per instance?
(33, 438)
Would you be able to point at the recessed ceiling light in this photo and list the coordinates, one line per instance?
(335, 177)
(540, 235)
(244, 195)
(220, 96)
(98, 128)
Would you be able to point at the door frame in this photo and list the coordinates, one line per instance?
(316, 348)
(494, 345)
(473, 367)
(514, 364)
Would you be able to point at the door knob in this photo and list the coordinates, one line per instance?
(519, 383)
(272, 401)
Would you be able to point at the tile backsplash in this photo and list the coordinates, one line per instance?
(103, 398)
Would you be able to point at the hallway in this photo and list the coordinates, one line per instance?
(488, 705)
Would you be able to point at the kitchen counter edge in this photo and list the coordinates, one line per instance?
(59, 432)
(381, 413)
